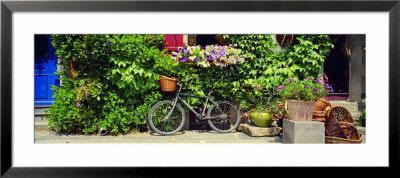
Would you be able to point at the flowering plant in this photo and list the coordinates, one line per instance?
(307, 89)
(221, 56)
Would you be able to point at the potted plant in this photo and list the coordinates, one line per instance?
(260, 116)
(301, 95)
(268, 109)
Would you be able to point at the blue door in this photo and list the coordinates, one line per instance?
(45, 66)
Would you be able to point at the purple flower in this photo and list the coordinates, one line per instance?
(306, 87)
(174, 55)
(86, 95)
(92, 53)
(77, 104)
(281, 87)
(195, 59)
(295, 93)
(187, 79)
(108, 41)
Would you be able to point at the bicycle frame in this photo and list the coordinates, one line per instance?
(199, 115)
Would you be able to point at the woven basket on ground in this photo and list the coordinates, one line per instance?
(168, 84)
(321, 104)
(343, 117)
(333, 128)
(352, 135)
(341, 114)
(319, 116)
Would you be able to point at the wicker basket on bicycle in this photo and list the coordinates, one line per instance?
(167, 83)
(340, 127)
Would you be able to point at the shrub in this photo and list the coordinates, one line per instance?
(362, 119)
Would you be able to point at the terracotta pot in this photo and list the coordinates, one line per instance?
(301, 110)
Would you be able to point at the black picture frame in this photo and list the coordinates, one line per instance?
(8, 7)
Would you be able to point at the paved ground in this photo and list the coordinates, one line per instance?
(190, 137)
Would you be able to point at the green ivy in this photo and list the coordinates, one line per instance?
(116, 82)
(117, 77)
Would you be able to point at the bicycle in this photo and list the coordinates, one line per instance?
(168, 117)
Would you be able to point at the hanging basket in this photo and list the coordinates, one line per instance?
(220, 39)
(285, 39)
(168, 84)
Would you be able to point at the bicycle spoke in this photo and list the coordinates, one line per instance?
(162, 123)
(224, 123)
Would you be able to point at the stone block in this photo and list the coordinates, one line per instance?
(255, 131)
(303, 132)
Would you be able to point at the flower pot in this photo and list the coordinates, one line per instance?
(261, 118)
(301, 110)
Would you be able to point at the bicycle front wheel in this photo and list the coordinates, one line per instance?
(160, 123)
(224, 116)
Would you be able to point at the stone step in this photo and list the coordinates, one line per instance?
(41, 124)
(40, 117)
(41, 109)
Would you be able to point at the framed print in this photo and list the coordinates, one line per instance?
(366, 31)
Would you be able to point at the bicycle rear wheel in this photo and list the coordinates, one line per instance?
(166, 126)
(225, 116)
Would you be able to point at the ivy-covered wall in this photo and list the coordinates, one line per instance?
(111, 81)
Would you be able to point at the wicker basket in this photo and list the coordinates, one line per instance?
(321, 104)
(353, 136)
(341, 114)
(168, 84)
(333, 128)
(343, 118)
(220, 39)
(319, 116)
(285, 39)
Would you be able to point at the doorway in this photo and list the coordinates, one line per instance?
(336, 68)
